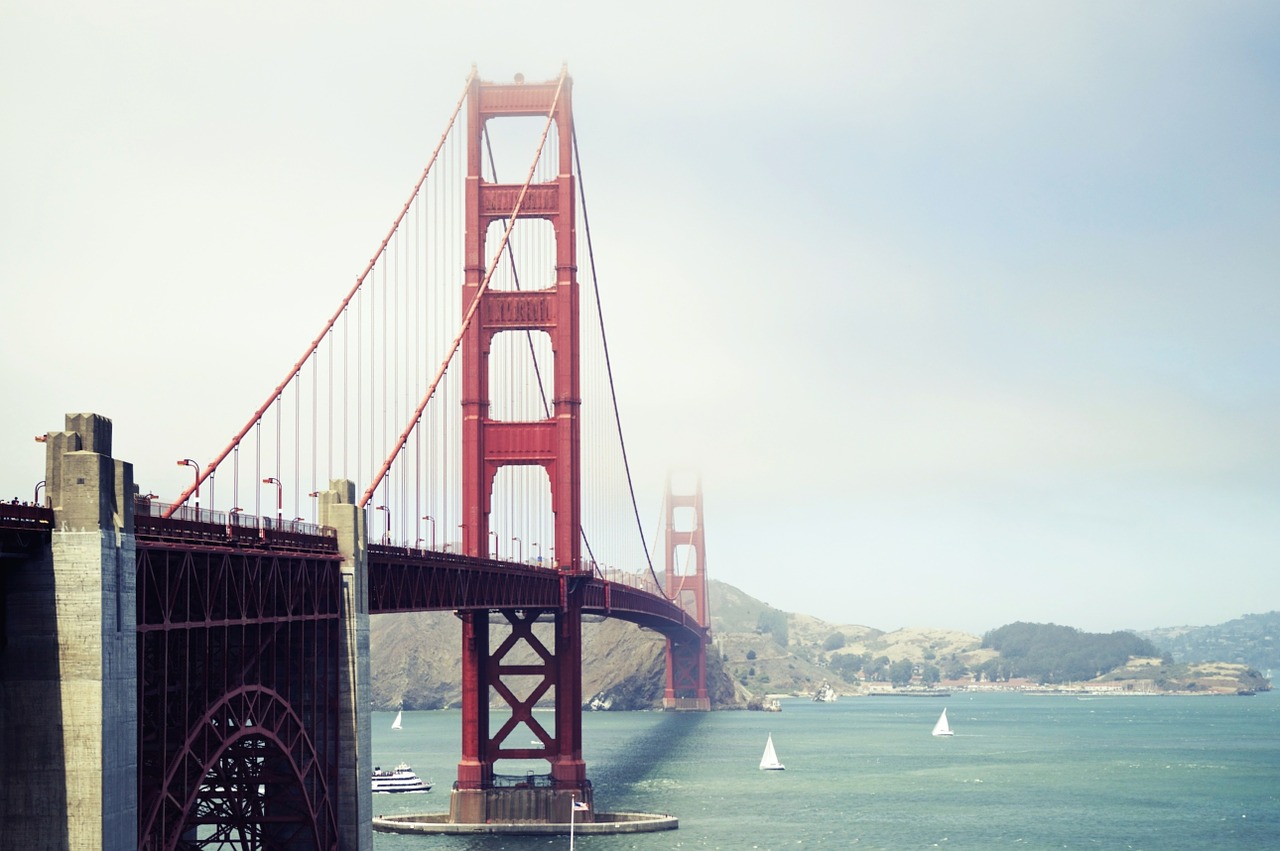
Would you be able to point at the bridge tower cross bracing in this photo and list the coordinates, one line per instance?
(686, 660)
(554, 444)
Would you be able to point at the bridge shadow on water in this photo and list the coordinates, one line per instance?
(635, 759)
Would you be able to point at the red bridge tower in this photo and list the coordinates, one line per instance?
(552, 443)
(687, 585)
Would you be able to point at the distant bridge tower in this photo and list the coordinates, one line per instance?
(686, 583)
(552, 443)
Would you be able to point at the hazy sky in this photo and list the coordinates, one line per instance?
(966, 312)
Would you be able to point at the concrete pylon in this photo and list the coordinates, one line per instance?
(337, 508)
(70, 667)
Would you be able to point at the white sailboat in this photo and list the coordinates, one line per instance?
(769, 762)
(395, 725)
(942, 728)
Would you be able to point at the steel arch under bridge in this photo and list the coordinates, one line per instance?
(238, 669)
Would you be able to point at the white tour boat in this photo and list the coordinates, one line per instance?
(400, 779)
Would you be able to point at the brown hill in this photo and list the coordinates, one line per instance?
(415, 661)
(415, 658)
(1158, 675)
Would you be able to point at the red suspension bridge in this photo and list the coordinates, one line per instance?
(233, 629)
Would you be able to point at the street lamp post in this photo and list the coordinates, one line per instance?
(537, 552)
(519, 549)
(432, 521)
(386, 536)
(272, 480)
(187, 462)
(494, 535)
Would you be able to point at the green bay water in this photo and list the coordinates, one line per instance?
(1021, 771)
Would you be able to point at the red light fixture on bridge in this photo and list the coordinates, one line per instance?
(386, 536)
(432, 521)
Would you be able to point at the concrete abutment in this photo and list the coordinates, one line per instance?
(70, 662)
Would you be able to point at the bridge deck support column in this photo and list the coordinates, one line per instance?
(70, 711)
(480, 795)
(337, 508)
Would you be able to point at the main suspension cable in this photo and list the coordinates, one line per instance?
(604, 340)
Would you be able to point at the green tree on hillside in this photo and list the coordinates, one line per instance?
(846, 666)
(774, 623)
(1050, 653)
(876, 669)
(900, 672)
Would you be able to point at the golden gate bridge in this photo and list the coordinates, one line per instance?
(213, 661)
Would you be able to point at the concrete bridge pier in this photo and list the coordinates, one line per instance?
(70, 710)
(337, 508)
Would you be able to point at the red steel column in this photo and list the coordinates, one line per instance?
(475, 769)
(488, 445)
(687, 661)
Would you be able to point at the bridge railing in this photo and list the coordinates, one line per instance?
(25, 515)
(229, 528)
(631, 579)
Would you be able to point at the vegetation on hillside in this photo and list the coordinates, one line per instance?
(1152, 674)
(773, 622)
(759, 650)
(1251, 640)
(1049, 653)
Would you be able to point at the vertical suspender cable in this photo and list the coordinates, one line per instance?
(213, 465)
(473, 307)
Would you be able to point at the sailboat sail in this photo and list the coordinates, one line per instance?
(395, 725)
(769, 762)
(942, 728)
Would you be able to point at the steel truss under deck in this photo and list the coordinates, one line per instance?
(238, 655)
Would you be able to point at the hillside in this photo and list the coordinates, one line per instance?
(1152, 674)
(415, 661)
(759, 650)
(765, 650)
(1251, 640)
